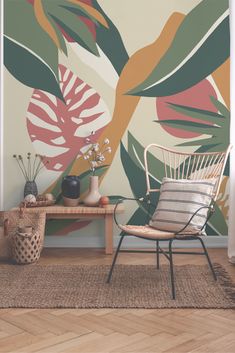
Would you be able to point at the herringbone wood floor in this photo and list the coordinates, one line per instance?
(118, 331)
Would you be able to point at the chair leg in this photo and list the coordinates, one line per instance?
(114, 259)
(157, 252)
(208, 258)
(171, 269)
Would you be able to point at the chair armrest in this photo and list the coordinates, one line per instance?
(211, 210)
(144, 199)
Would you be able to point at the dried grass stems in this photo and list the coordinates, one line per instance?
(31, 166)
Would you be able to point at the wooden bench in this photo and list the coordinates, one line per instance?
(81, 212)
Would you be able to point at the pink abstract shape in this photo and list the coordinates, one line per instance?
(72, 228)
(197, 96)
(58, 130)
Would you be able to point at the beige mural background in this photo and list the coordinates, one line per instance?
(139, 23)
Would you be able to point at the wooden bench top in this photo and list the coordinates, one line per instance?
(60, 209)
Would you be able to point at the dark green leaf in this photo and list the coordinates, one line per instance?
(203, 142)
(137, 180)
(136, 152)
(114, 198)
(110, 41)
(29, 69)
(74, 28)
(30, 55)
(189, 126)
(201, 44)
(203, 115)
(218, 223)
(55, 225)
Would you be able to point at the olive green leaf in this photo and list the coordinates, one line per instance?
(137, 180)
(64, 14)
(189, 126)
(73, 27)
(49, 26)
(218, 223)
(136, 152)
(29, 55)
(82, 9)
(196, 51)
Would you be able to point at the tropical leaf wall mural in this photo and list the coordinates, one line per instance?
(181, 66)
(79, 66)
(58, 130)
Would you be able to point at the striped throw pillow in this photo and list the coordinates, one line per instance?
(178, 201)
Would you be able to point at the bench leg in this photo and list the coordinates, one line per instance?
(108, 225)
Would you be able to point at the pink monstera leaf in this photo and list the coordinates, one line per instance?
(58, 130)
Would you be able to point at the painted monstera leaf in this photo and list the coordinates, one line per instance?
(196, 51)
(58, 130)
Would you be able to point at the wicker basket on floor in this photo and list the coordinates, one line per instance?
(5, 247)
(22, 219)
(26, 246)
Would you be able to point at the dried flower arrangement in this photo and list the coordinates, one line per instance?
(32, 166)
(96, 152)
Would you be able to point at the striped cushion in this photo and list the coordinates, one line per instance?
(178, 201)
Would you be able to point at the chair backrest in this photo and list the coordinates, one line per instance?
(183, 165)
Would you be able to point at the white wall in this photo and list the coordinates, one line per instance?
(231, 238)
(1, 107)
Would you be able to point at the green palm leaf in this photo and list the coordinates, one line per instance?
(203, 115)
(205, 142)
(74, 28)
(190, 126)
(220, 107)
(110, 41)
(219, 137)
(196, 51)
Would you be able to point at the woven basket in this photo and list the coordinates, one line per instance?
(26, 247)
(5, 246)
(20, 245)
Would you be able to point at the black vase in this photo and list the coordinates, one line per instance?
(30, 188)
(70, 190)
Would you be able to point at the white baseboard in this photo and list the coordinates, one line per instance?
(98, 242)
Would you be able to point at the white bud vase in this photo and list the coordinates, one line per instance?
(93, 196)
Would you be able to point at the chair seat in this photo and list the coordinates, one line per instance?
(146, 232)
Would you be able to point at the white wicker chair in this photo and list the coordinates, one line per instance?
(177, 165)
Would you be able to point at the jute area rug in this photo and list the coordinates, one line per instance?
(132, 286)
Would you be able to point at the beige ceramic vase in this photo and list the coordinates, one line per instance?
(93, 196)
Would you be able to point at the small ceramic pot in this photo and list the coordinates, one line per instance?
(71, 190)
(70, 202)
